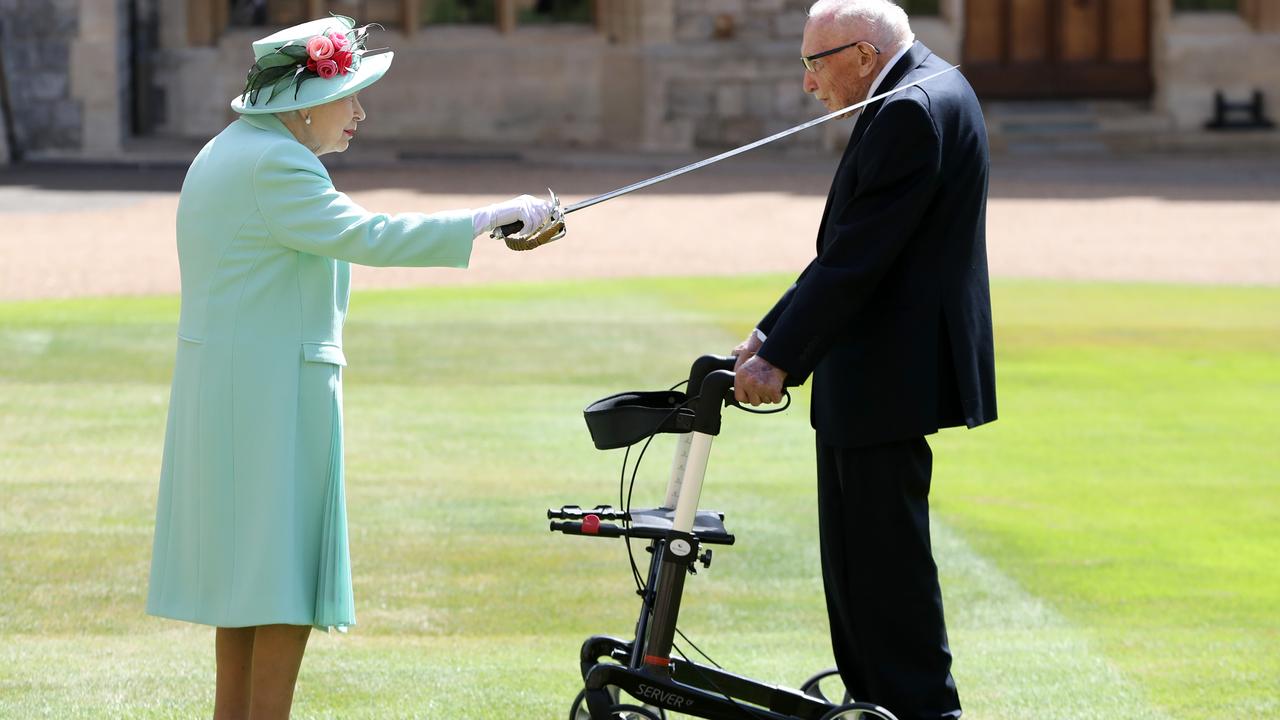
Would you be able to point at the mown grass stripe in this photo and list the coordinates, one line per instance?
(1108, 546)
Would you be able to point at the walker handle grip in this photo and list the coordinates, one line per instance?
(716, 390)
(706, 365)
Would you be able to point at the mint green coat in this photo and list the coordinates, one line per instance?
(251, 519)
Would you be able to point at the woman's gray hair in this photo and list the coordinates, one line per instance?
(884, 23)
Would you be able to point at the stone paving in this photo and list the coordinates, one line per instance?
(77, 230)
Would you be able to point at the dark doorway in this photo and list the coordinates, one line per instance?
(145, 101)
(1029, 49)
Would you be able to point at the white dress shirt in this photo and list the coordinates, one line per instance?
(889, 66)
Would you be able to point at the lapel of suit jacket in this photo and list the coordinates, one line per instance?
(909, 61)
(905, 64)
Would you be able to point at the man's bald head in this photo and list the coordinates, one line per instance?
(879, 22)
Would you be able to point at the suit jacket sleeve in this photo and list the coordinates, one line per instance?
(771, 318)
(303, 211)
(898, 162)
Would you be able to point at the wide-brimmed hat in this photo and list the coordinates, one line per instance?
(310, 64)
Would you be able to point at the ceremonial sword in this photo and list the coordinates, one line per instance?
(554, 227)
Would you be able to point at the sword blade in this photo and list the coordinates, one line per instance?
(738, 151)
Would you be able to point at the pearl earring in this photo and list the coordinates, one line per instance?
(308, 119)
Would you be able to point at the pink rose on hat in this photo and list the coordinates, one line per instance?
(344, 59)
(326, 68)
(290, 58)
(320, 48)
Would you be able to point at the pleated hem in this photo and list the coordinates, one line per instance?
(335, 602)
(209, 621)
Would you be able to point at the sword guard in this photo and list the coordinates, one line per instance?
(550, 231)
(553, 230)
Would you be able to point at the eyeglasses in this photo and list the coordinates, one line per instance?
(811, 66)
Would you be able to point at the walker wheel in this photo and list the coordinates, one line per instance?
(827, 687)
(633, 712)
(618, 711)
(859, 711)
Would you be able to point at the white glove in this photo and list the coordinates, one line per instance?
(531, 211)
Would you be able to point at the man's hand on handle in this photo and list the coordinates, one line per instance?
(756, 380)
(747, 349)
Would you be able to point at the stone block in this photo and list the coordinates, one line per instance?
(766, 6)
(46, 86)
(35, 26)
(693, 28)
(19, 57)
(673, 136)
(740, 131)
(790, 98)
(30, 118)
(789, 26)
(67, 22)
(707, 132)
(48, 19)
(53, 55)
(100, 17)
(656, 28)
(689, 99)
(66, 114)
(731, 100)
(755, 27)
(760, 97)
(730, 7)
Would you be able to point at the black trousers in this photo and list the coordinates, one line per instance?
(883, 598)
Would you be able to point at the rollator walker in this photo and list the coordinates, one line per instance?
(639, 679)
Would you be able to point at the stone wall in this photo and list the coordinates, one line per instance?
(1201, 53)
(663, 76)
(459, 84)
(735, 72)
(100, 76)
(660, 75)
(748, 21)
(657, 75)
(36, 40)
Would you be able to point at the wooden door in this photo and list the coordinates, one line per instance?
(1058, 48)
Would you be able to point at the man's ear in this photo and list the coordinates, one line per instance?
(866, 62)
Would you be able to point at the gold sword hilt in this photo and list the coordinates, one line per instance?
(550, 231)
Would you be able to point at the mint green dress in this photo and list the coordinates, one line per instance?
(251, 524)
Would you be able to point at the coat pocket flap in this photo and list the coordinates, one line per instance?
(323, 353)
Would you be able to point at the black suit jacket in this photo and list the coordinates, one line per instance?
(893, 316)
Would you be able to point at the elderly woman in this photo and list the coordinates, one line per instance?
(251, 527)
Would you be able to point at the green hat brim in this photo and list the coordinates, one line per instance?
(318, 91)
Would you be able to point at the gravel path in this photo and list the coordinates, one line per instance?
(77, 230)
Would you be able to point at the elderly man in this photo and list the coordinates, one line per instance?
(893, 320)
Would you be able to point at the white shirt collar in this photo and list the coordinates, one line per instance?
(889, 66)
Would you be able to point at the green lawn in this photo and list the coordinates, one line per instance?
(1110, 548)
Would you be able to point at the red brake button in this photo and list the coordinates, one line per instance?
(591, 524)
